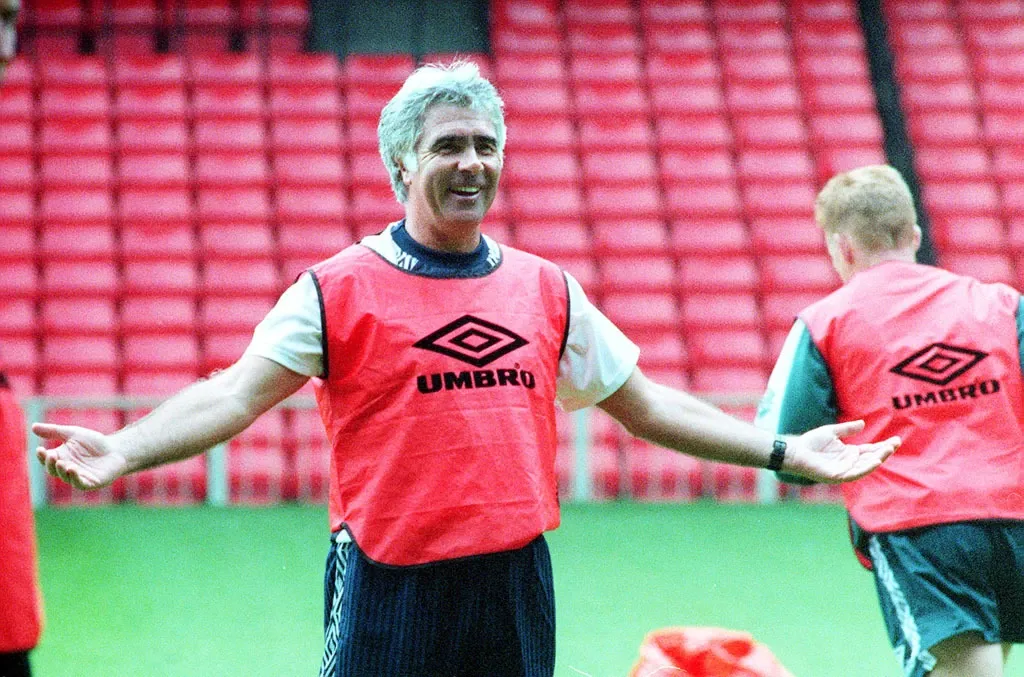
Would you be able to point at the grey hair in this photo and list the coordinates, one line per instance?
(401, 121)
(873, 204)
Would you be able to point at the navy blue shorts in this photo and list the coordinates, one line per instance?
(489, 615)
(944, 580)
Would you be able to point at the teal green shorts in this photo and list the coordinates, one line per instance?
(940, 581)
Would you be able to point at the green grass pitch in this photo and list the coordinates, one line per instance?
(203, 592)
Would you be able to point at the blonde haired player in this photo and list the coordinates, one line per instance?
(934, 358)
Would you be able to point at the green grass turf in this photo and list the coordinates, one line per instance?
(196, 592)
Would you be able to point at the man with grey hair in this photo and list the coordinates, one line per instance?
(934, 358)
(438, 357)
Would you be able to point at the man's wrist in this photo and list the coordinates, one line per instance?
(778, 455)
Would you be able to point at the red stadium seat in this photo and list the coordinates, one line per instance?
(314, 240)
(542, 203)
(220, 314)
(758, 65)
(18, 243)
(703, 311)
(685, 99)
(71, 70)
(158, 315)
(527, 167)
(250, 277)
(142, 239)
(728, 379)
(554, 238)
(238, 68)
(80, 353)
(631, 235)
(305, 135)
(786, 235)
(774, 165)
(656, 473)
(303, 69)
(641, 311)
(76, 171)
(623, 168)
(611, 202)
(17, 103)
(305, 101)
(780, 309)
(719, 274)
(234, 205)
(151, 102)
(946, 164)
(78, 316)
(621, 39)
(20, 280)
(794, 198)
(770, 130)
(228, 102)
(152, 136)
(686, 166)
(597, 69)
(987, 267)
(236, 240)
(324, 204)
(161, 352)
(86, 242)
(798, 272)
(160, 278)
(131, 68)
(636, 274)
(229, 135)
(616, 134)
(231, 170)
(554, 132)
(727, 347)
(530, 68)
(76, 206)
(153, 170)
(708, 237)
(166, 205)
(74, 102)
(74, 136)
(700, 199)
(310, 169)
(961, 197)
(660, 348)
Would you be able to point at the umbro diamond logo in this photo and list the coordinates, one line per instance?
(472, 340)
(939, 363)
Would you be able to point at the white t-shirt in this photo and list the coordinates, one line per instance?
(598, 357)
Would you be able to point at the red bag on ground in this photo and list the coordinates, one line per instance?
(705, 652)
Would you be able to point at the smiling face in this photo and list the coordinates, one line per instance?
(455, 178)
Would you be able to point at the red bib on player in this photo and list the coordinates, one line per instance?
(932, 357)
(438, 399)
(20, 607)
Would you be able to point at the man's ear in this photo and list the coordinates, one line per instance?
(847, 250)
(406, 168)
(917, 238)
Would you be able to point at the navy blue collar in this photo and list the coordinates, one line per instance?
(433, 263)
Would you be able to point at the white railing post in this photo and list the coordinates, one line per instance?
(35, 410)
(217, 475)
(583, 485)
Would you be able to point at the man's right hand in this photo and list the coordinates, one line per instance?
(85, 459)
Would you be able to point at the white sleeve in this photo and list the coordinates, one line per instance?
(598, 357)
(291, 333)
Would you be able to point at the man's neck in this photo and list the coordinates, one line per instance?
(449, 238)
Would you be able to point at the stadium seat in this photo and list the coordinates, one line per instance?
(769, 166)
(954, 163)
(152, 136)
(708, 237)
(366, 100)
(582, 267)
(536, 100)
(229, 102)
(71, 70)
(685, 166)
(545, 167)
(74, 136)
(654, 473)
(719, 274)
(158, 315)
(786, 235)
(540, 203)
(617, 202)
(75, 171)
(660, 348)
(616, 134)
(780, 309)
(248, 277)
(970, 234)
(80, 353)
(153, 170)
(310, 170)
(221, 349)
(296, 135)
(938, 96)
(18, 243)
(229, 135)
(233, 205)
(770, 130)
(150, 102)
(323, 204)
(630, 236)
(641, 311)
(166, 205)
(729, 347)
(160, 278)
(78, 316)
(941, 128)
(552, 132)
(143, 239)
(315, 240)
(78, 383)
(704, 311)
(987, 267)
(685, 99)
(793, 198)
(236, 240)
(647, 273)
(303, 69)
(530, 68)
(239, 68)
(847, 128)
(554, 237)
(226, 314)
(368, 171)
(20, 280)
(161, 352)
(621, 168)
(17, 103)
(131, 69)
(682, 38)
(86, 242)
(231, 170)
(961, 197)
(305, 101)
(699, 199)
(74, 102)
(798, 272)
(728, 380)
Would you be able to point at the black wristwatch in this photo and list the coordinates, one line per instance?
(778, 455)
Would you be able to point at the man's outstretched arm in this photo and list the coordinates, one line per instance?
(197, 418)
(677, 420)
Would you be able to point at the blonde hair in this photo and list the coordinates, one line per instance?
(872, 204)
